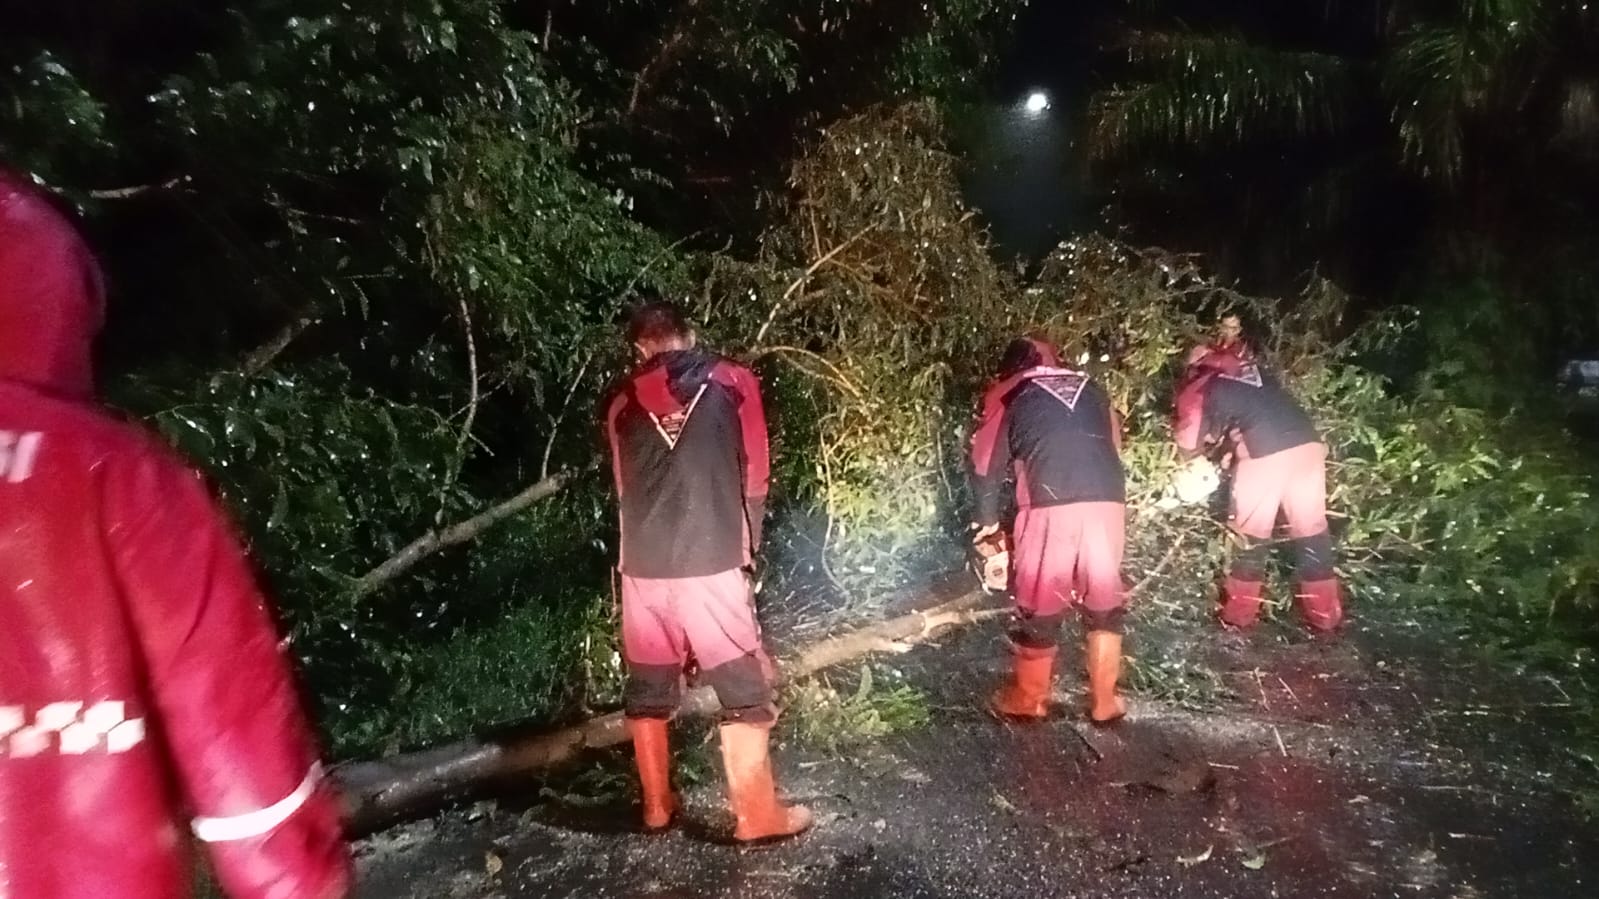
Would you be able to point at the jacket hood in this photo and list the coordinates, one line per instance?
(1214, 359)
(668, 382)
(52, 297)
(1204, 363)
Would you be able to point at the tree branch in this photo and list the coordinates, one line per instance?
(800, 281)
(555, 422)
(123, 193)
(465, 531)
(670, 50)
(377, 793)
(257, 360)
(838, 377)
(380, 792)
(1159, 567)
(471, 409)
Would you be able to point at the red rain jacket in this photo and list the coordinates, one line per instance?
(143, 692)
(689, 453)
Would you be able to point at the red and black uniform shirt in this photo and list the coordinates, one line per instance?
(689, 455)
(1053, 430)
(1224, 393)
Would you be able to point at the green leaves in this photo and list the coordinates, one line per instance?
(49, 120)
(945, 58)
(546, 256)
(294, 456)
(838, 722)
(404, 232)
(875, 291)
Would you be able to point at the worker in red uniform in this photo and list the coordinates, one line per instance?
(1229, 400)
(1051, 430)
(143, 690)
(689, 455)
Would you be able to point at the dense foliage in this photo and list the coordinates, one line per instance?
(368, 260)
(897, 315)
(1425, 147)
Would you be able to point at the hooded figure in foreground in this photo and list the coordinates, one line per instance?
(1051, 430)
(143, 691)
(1279, 472)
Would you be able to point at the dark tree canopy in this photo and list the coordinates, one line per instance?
(369, 264)
(367, 259)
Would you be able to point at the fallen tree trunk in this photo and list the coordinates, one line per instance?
(383, 792)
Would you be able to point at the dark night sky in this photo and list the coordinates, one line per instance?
(1027, 171)
(1029, 175)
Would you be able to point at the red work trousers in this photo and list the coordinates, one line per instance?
(1068, 556)
(1291, 485)
(713, 617)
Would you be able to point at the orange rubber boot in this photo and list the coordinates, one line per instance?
(652, 754)
(1027, 693)
(1104, 658)
(758, 815)
(1321, 604)
(1240, 603)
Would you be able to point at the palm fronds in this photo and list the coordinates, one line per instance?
(1441, 73)
(1204, 90)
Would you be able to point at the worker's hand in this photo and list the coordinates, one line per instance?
(984, 531)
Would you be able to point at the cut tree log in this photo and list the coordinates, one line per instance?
(384, 792)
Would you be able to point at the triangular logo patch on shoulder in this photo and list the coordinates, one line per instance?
(1066, 386)
(1249, 374)
(671, 426)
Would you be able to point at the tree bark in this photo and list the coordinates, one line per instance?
(384, 792)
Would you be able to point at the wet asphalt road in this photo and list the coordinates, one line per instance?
(1339, 770)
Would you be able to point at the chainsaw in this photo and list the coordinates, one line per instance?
(991, 561)
(1192, 484)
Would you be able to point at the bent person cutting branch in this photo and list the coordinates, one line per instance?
(142, 685)
(689, 454)
(1053, 432)
(1227, 398)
